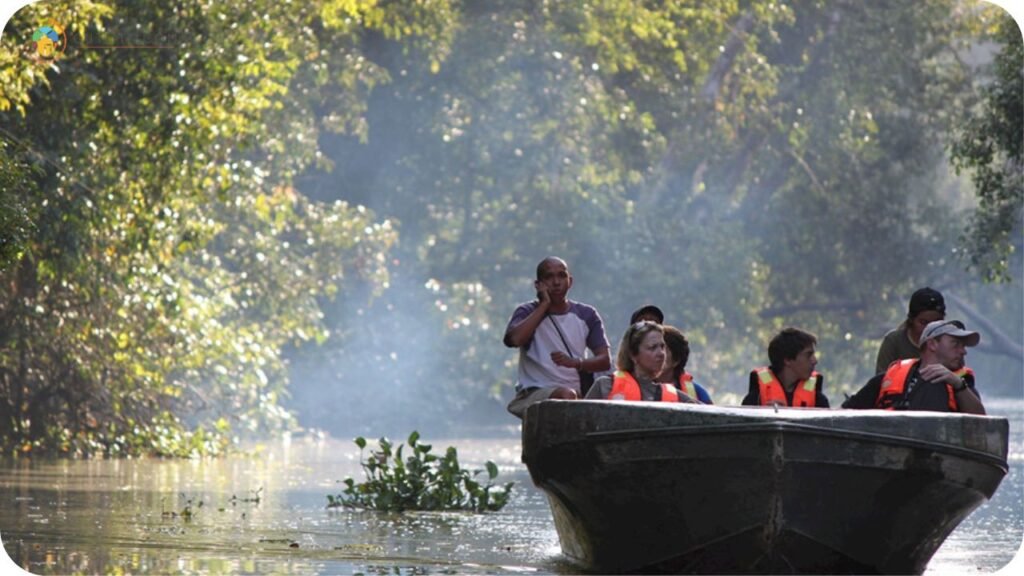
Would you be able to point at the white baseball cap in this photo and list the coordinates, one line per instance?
(953, 328)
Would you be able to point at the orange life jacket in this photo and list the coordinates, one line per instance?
(686, 385)
(894, 383)
(804, 395)
(625, 387)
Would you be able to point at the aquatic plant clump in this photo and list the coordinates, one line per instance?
(422, 481)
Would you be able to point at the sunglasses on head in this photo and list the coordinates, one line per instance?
(642, 323)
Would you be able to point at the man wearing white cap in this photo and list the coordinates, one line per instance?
(938, 381)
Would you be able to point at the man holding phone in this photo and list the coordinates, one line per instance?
(553, 334)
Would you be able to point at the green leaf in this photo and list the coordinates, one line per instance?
(422, 481)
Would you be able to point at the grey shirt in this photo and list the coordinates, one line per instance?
(895, 346)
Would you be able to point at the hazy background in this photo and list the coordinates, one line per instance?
(332, 209)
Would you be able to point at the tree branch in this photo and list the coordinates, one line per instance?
(713, 84)
(993, 340)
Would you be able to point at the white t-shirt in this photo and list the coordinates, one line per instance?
(582, 328)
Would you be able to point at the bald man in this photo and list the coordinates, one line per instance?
(552, 334)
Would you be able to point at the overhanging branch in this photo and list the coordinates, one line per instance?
(993, 340)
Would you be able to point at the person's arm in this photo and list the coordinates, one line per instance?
(753, 397)
(597, 343)
(686, 398)
(967, 401)
(601, 388)
(599, 362)
(520, 332)
(702, 394)
(865, 397)
(821, 401)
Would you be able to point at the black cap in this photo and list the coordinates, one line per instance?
(926, 299)
(648, 309)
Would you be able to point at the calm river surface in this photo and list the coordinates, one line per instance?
(118, 516)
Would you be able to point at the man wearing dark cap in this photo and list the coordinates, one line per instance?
(937, 381)
(649, 312)
(926, 305)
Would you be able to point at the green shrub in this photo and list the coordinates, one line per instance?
(422, 481)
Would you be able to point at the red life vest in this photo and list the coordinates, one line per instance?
(894, 383)
(625, 387)
(686, 385)
(771, 390)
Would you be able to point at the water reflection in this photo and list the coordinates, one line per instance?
(157, 516)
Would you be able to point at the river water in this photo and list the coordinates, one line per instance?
(126, 517)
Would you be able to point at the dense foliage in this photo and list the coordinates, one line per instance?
(990, 146)
(745, 165)
(342, 201)
(172, 261)
(420, 481)
(15, 223)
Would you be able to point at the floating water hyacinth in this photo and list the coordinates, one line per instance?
(422, 481)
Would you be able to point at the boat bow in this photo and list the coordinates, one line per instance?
(644, 486)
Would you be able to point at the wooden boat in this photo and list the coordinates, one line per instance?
(683, 488)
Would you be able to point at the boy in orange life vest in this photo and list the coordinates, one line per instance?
(938, 381)
(791, 379)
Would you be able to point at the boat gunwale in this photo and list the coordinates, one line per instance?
(783, 426)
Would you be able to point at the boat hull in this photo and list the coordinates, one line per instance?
(655, 487)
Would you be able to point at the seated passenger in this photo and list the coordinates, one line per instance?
(677, 352)
(937, 381)
(552, 334)
(648, 312)
(791, 379)
(926, 306)
(640, 359)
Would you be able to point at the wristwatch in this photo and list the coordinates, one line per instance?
(961, 387)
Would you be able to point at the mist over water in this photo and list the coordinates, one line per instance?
(522, 144)
(388, 378)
